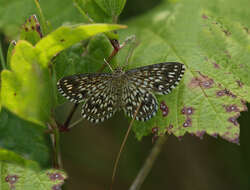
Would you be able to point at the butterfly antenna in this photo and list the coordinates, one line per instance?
(122, 146)
(105, 61)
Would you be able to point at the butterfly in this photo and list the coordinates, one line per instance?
(103, 94)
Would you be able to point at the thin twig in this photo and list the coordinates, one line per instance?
(67, 122)
(143, 173)
(122, 146)
(75, 123)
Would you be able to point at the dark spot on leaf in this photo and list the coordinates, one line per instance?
(11, 179)
(188, 122)
(155, 130)
(207, 84)
(225, 92)
(204, 16)
(164, 108)
(62, 40)
(233, 120)
(215, 135)
(216, 65)
(183, 111)
(32, 27)
(200, 134)
(231, 108)
(168, 129)
(26, 29)
(220, 93)
(228, 33)
(55, 176)
(57, 187)
(228, 55)
(227, 137)
(14, 94)
(187, 111)
(240, 84)
(244, 105)
(202, 81)
(180, 138)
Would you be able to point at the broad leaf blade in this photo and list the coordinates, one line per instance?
(24, 138)
(215, 49)
(26, 90)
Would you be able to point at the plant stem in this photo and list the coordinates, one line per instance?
(1, 57)
(122, 146)
(67, 122)
(146, 168)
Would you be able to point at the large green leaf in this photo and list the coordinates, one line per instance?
(27, 88)
(212, 40)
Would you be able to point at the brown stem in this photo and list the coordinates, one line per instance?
(143, 173)
(122, 146)
(67, 122)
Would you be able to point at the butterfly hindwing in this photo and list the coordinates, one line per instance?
(133, 97)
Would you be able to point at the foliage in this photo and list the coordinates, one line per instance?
(211, 38)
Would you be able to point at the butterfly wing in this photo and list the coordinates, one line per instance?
(134, 96)
(77, 88)
(160, 78)
(101, 105)
(95, 90)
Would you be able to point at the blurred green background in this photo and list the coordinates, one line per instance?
(89, 152)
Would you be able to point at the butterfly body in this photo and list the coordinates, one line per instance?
(105, 93)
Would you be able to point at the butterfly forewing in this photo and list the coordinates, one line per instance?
(159, 78)
(77, 88)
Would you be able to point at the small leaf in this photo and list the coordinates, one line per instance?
(91, 9)
(66, 36)
(111, 7)
(31, 30)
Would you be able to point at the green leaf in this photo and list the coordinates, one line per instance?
(12, 157)
(27, 89)
(24, 138)
(111, 7)
(92, 11)
(66, 36)
(214, 46)
(56, 12)
(19, 178)
(31, 30)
